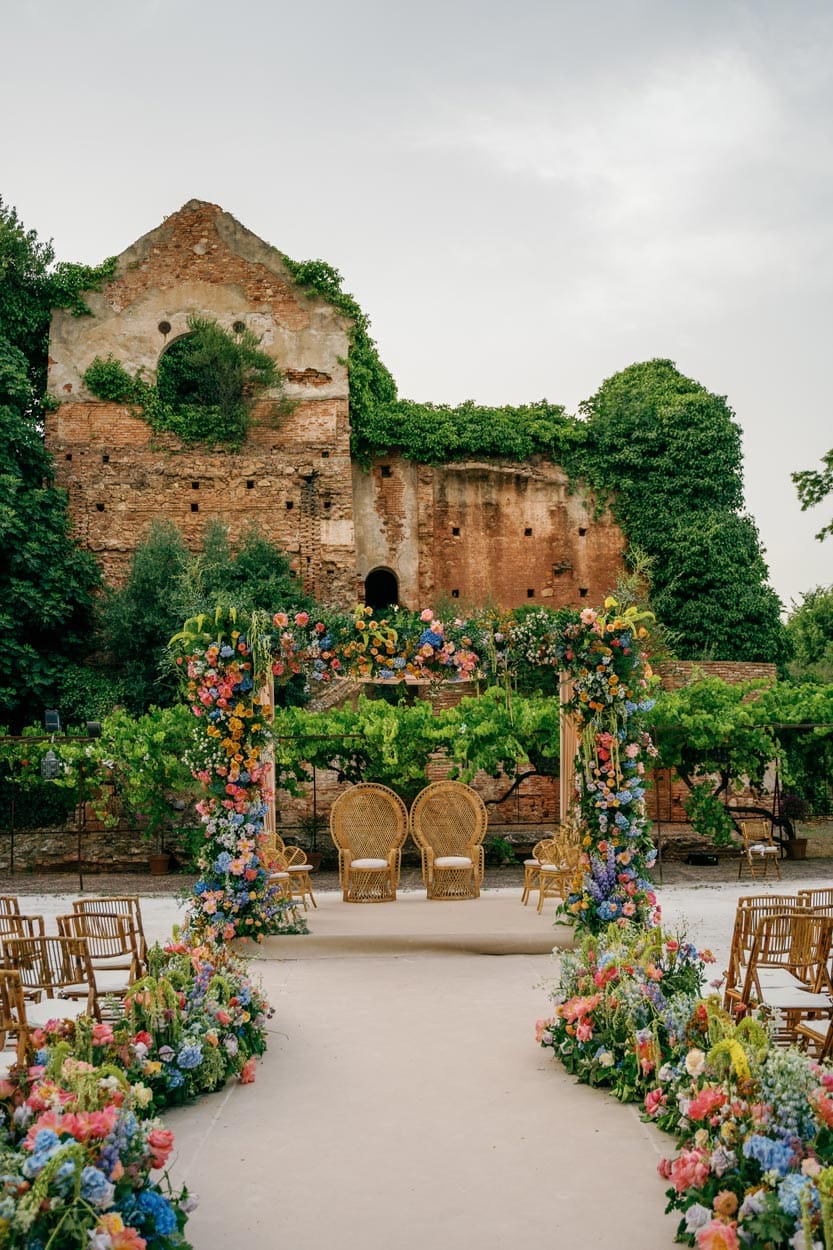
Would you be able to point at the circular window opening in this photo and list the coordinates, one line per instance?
(164, 327)
(239, 327)
(381, 589)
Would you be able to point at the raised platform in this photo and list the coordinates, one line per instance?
(497, 923)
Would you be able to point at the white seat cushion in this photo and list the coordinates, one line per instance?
(552, 868)
(55, 1009)
(796, 1000)
(532, 863)
(452, 861)
(369, 863)
(778, 978)
(300, 868)
(760, 848)
(279, 876)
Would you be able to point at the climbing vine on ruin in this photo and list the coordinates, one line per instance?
(207, 383)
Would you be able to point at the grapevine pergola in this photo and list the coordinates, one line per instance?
(232, 660)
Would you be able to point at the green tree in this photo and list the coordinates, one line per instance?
(810, 630)
(31, 286)
(46, 580)
(813, 486)
(167, 584)
(666, 454)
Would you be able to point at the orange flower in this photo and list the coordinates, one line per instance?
(122, 1237)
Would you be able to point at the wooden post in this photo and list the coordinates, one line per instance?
(568, 744)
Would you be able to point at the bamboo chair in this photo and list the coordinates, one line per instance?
(818, 900)
(9, 905)
(110, 942)
(758, 844)
(294, 861)
(531, 867)
(561, 858)
(51, 970)
(12, 925)
(448, 823)
(788, 973)
(369, 824)
(750, 909)
(816, 1036)
(124, 905)
(13, 1022)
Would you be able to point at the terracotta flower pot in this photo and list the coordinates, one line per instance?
(159, 863)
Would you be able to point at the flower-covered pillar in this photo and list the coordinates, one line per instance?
(603, 652)
(227, 659)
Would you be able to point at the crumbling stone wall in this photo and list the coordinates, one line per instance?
(293, 476)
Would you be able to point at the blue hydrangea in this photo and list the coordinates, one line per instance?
(790, 1191)
(175, 1079)
(157, 1208)
(95, 1187)
(190, 1056)
(773, 1156)
(223, 862)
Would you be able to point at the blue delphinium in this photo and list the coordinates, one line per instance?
(772, 1155)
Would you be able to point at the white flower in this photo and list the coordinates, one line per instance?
(696, 1216)
(695, 1062)
(606, 1059)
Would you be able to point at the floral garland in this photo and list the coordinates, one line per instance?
(612, 679)
(423, 649)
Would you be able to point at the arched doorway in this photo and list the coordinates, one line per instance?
(381, 589)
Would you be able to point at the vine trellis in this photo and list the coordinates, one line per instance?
(231, 662)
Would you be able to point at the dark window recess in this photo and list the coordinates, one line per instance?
(381, 589)
(195, 507)
(328, 503)
(325, 455)
(384, 469)
(105, 459)
(582, 590)
(250, 484)
(530, 594)
(581, 531)
(455, 594)
(289, 505)
(455, 529)
(68, 456)
(527, 532)
(164, 327)
(195, 486)
(99, 507)
(239, 327)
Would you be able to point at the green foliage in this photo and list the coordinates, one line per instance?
(46, 581)
(206, 384)
(167, 584)
(715, 734)
(708, 816)
(666, 454)
(814, 485)
(810, 631)
(31, 287)
(436, 433)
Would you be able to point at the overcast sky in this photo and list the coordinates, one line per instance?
(525, 197)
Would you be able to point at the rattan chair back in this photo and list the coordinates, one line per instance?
(9, 905)
(817, 899)
(109, 936)
(797, 942)
(369, 820)
(49, 964)
(448, 822)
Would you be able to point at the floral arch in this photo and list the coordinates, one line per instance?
(231, 662)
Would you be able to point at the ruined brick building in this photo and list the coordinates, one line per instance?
(506, 531)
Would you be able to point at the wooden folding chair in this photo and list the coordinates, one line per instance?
(16, 925)
(124, 905)
(531, 869)
(9, 905)
(788, 970)
(750, 908)
(14, 1027)
(110, 942)
(561, 856)
(57, 974)
(758, 846)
